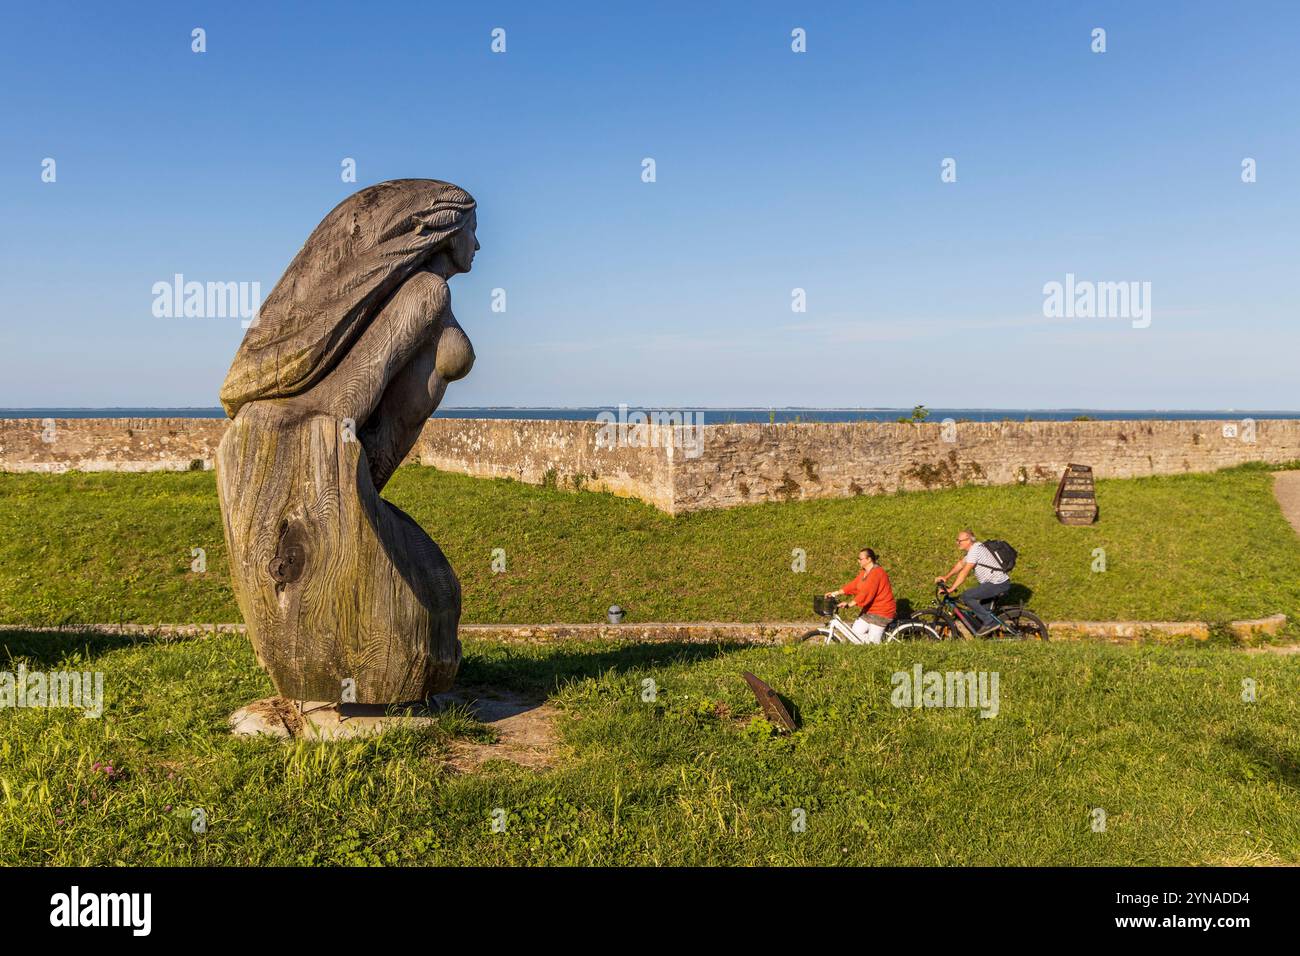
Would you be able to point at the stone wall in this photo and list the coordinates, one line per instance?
(561, 452)
(739, 464)
(750, 463)
(694, 632)
(109, 444)
(539, 452)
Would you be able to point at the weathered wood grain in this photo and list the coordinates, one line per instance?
(342, 591)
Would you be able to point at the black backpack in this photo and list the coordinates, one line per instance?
(1003, 553)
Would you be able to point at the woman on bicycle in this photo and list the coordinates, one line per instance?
(874, 596)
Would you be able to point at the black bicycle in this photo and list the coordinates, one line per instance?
(951, 620)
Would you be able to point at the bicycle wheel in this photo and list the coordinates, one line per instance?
(911, 631)
(939, 621)
(1024, 625)
(812, 637)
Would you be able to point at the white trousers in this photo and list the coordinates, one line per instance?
(866, 632)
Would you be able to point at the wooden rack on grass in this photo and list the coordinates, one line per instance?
(1076, 496)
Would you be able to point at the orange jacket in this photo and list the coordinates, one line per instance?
(872, 592)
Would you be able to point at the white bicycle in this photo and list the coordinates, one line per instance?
(835, 631)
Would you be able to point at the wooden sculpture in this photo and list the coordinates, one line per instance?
(342, 592)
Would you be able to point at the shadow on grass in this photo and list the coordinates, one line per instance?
(1019, 595)
(525, 668)
(1277, 763)
(497, 666)
(43, 648)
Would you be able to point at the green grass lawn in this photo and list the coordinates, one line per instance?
(100, 548)
(1157, 736)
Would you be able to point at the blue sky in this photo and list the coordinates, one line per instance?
(775, 171)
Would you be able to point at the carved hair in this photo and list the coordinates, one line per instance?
(346, 271)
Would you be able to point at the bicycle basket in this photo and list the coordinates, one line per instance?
(824, 606)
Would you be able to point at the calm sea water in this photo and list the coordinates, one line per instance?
(719, 416)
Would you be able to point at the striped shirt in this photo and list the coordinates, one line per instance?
(980, 556)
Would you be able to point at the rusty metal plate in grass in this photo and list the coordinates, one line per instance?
(773, 709)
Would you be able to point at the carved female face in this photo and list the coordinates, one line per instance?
(464, 244)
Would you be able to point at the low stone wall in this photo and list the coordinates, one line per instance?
(748, 463)
(779, 632)
(108, 444)
(736, 464)
(563, 453)
(701, 632)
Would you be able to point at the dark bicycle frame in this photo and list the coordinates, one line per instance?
(948, 602)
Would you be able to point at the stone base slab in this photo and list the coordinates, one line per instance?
(523, 724)
(320, 720)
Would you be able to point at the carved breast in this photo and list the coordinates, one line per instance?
(455, 353)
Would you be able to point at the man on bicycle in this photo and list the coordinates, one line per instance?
(874, 596)
(993, 581)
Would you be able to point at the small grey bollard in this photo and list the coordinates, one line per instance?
(615, 614)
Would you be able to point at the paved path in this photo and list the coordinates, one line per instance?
(1286, 486)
